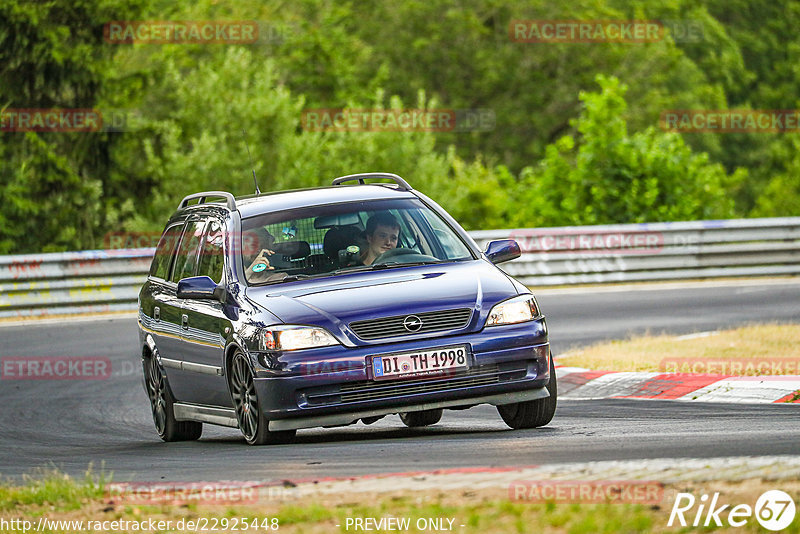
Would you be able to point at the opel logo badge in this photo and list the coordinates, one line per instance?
(412, 323)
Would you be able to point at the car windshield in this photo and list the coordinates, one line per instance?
(335, 239)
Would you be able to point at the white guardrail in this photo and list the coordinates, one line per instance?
(109, 280)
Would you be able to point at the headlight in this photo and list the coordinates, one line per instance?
(517, 310)
(295, 337)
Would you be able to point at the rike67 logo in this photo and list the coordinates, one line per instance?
(774, 510)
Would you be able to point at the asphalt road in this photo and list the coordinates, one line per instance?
(578, 317)
(70, 424)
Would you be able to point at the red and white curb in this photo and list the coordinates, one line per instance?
(584, 384)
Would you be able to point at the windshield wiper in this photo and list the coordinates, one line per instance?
(381, 266)
(365, 268)
(288, 278)
(429, 262)
(346, 270)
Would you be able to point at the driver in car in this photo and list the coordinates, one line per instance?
(382, 232)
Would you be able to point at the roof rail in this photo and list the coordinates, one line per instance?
(402, 184)
(229, 200)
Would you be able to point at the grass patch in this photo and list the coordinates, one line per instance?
(53, 489)
(484, 511)
(757, 350)
(298, 515)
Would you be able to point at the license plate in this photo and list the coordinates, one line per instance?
(420, 363)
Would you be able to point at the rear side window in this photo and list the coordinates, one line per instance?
(186, 258)
(164, 251)
(212, 256)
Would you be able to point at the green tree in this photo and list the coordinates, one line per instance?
(194, 142)
(781, 196)
(611, 176)
(53, 184)
(765, 34)
(560, 153)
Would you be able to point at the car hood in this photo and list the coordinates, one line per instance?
(336, 301)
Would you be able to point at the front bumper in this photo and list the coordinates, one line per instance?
(333, 386)
(348, 417)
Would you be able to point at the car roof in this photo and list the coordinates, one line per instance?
(252, 205)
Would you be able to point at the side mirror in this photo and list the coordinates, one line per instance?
(198, 287)
(502, 250)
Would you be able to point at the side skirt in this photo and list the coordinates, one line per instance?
(205, 414)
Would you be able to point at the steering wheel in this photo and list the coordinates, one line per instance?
(402, 251)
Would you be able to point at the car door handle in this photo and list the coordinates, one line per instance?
(157, 313)
(185, 321)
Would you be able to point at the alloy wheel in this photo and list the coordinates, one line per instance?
(156, 390)
(244, 397)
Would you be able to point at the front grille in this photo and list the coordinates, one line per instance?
(394, 326)
(379, 390)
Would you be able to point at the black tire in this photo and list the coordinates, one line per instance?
(161, 403)
(535, 413)
(423, 418)
(252, 423)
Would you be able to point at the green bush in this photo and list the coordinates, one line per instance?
(610, 176)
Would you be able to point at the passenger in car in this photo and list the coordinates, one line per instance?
(383, 232)
(258, 244)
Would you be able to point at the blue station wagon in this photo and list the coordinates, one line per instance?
(334, 305)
